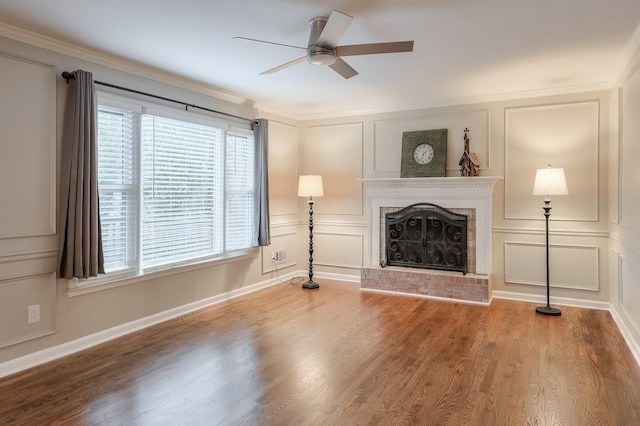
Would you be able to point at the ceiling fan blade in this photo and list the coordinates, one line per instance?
(375, 48)
(286, 65)
(343, 68)
(333, 30)
(268, 42)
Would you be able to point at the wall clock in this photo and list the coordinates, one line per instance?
(424, 153)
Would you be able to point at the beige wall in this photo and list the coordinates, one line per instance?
(624, 202)
(30, 134)
(512, 139)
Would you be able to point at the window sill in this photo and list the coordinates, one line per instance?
(105, 284)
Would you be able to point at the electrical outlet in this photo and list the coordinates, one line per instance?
(278, 256)
(33, 312)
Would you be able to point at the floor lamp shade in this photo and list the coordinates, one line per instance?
(549, 181)
(310, 186)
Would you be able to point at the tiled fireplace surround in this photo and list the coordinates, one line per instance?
(468, 195)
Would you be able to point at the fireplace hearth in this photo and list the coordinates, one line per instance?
(425, 235)
(467, 196)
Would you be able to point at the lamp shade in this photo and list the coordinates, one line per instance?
(310, 186)
(550, 181)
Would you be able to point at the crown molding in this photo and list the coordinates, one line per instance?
(116, 62)
(452, 102)
(631, 59)
(136, 68)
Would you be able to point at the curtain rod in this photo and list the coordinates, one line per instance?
(70, 76)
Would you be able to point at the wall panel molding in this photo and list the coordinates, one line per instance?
(629, 173)
(615, 177)
(572, 266)
(283, 169)
(563, 233)
(565, 135)
(26, 290)
(628, 243)
(282, 241)
(335, 151)
(28, 255)
(338, 224)
(28, 162)
(387, 138)
(344, 250)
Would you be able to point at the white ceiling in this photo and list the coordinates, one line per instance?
(465, 50)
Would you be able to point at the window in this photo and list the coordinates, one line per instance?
(172, 191)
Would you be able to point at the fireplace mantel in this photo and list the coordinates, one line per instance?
(449, 192)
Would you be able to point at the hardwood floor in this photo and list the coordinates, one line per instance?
(287, 356)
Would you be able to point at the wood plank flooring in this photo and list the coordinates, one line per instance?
(338, 356)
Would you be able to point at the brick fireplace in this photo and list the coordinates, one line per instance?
(471, 195)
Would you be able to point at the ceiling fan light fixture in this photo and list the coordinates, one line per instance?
(319, 55)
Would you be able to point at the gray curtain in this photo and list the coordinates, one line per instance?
(260, 129)
(80, 242)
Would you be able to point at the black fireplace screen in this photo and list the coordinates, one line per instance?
(427, 236)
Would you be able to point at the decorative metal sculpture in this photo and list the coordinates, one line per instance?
(469, 163)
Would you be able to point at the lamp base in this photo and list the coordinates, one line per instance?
(548, 310)
(311, 284)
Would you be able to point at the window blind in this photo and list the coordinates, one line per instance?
(240, 191)
(182, 179)
(117, 186)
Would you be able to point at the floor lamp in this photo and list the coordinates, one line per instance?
(310, 186)
(549, 181)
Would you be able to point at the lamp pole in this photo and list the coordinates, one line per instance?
(547, 310)
(548, 182)
(310, 284)
(310, 186)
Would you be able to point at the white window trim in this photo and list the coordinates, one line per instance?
(78, 286)
(105, 282)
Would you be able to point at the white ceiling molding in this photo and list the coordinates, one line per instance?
(294, 111)
(631, 59)
(567, 90)
(115, 62)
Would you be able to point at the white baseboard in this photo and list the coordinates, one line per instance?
(562, 301)
(625, 325)
(31, 360)
(335, 277)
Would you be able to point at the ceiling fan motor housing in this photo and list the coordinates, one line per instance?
(316, 54)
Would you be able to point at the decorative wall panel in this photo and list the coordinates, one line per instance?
(387, 139)
(335, 153)
(287, 241)
(614, 158)
(629, 152)
(571, 266)
(28, 138)
(283, 168)
(337, 249)
(16, 295)
(561, 135)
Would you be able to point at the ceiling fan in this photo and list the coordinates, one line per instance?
(322, 47)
